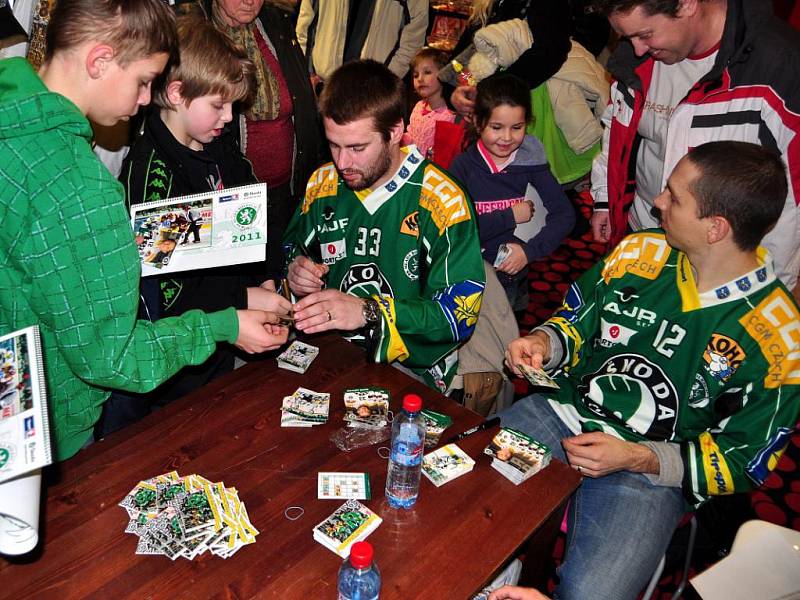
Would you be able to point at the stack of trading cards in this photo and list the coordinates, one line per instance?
(342, 486)
(366, 408)
(537, 377)
(298, 356)
(305, 408)
(350, 523)
(185, 516)
(517, 455)
(446, 463)
(435, 424)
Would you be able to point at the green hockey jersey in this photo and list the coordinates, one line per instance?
(647, 357)
(411, 244)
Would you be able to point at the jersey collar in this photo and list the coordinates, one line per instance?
(372, 200)
(735, 289)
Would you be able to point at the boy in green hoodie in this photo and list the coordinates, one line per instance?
(67, 256)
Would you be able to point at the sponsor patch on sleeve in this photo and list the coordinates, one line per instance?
(718, 475)
(775, 325)
(321, 184)
(643, 254)
(443, 199)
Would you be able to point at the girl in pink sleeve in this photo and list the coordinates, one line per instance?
(432, 107)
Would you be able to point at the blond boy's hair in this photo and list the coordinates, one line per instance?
(209, 64)
(135, 29)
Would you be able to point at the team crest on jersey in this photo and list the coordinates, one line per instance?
(635, 392)
(698, 395)
(365, 280)
(333, 251)
(723, 355)
(410, 224)
(411, 265)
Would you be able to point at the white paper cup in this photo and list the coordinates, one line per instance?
(19, 513)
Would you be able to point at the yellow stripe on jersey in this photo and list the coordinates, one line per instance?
(322, 183)
(718, 476)
(775, 325)
(565, 326)
(443, 198)
(396, 348)
(642, 254)
(687, 286)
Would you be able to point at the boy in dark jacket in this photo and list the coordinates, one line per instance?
(181, 152)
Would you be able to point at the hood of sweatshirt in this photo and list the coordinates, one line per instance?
(27, 107)
(529, 155)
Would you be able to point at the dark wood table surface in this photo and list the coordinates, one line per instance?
(448, 546)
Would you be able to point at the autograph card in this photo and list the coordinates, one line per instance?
(537, 377)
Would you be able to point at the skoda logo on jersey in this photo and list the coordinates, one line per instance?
(636, 392)
(328, 213)
(366, 280)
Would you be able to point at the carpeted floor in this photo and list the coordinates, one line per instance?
(777, 501)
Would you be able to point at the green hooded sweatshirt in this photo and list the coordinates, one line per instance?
(68, 263)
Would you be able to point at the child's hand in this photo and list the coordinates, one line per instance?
(523, 211)
(259, 298)
(516, 261)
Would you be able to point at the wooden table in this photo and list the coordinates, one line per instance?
(447, 547)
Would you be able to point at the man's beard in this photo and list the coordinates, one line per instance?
(374, 172)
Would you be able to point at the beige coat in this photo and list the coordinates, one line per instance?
(329, 18)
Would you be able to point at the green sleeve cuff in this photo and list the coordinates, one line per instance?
(224, 325)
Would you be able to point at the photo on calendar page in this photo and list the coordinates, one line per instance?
(165, 230)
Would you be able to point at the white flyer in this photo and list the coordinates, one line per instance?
(226, 227)
(24, 426)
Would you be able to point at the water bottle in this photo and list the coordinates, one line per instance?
(405, 460)
(359, 577)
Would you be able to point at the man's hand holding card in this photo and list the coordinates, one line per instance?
(532, 350)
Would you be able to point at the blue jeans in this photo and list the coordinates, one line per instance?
(618, 526)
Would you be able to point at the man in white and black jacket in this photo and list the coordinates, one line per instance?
(690, 72)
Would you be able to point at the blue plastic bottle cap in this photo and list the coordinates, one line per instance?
(361, 555)
(412, 403)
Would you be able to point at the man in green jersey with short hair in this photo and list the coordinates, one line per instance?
(678, 357)
(385, 243)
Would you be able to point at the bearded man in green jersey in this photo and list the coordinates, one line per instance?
(678, 357)
(385, 244)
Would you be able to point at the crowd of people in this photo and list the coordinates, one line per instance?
(677, 355)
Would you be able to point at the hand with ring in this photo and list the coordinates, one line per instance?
(327, 310)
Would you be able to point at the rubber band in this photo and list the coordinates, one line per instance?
(389, 416)
(300, 514)
(388, 452)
